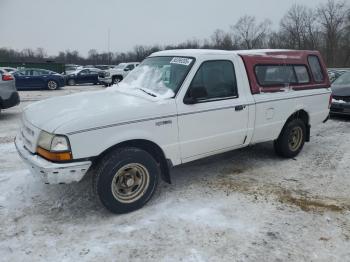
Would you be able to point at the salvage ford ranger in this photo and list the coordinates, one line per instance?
(176, 106)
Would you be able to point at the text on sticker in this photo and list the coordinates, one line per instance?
(181, 61)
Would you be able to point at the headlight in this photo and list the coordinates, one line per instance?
(59, 144)
(107, 74)
(54, 147)
(45, 140)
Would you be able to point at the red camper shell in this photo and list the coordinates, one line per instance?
(274, 70)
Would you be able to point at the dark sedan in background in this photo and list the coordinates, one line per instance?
(83, 76)
(341, 95)
(32, 78)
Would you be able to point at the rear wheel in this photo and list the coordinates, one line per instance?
(126, 179)
(52, 85)
(71, 82)
(292, 139)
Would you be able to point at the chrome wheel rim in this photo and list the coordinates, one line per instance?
(52, 85)
(130, 183)
(295, 138)
(116, 80)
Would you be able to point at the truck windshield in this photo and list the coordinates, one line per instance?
(159, 76)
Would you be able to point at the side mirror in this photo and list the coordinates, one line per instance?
(194, 94)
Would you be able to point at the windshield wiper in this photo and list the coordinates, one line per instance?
(148, 93)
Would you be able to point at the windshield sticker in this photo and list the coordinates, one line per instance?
(181, 61)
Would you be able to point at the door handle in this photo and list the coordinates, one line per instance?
(239, 108)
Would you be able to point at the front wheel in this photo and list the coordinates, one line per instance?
(126, 179)
(116, 80)
(52, 85)
(292, 139)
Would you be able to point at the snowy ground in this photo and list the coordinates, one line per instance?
(246, 205)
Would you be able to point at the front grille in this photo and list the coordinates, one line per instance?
(30, 135)
(344, 98)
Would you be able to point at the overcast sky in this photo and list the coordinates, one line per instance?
(83, 24)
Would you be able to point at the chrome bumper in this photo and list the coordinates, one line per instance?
(106, 80)
(52, 173)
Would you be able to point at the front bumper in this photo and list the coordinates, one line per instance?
(52, 173)
(105, 80)
(13, 100)
(340, 108)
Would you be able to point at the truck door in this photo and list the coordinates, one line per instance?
(216, 118)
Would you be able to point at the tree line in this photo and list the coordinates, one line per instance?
(325, 28)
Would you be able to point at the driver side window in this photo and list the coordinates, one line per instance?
(217, 79)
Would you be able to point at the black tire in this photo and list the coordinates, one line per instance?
(110, 180)
(52, 85)
(116, 79)
(286, 146)
(71, 82)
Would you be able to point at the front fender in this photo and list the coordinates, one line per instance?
(94, 142)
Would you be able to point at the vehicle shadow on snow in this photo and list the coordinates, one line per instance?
(342, 118)
(67, 201)
(8, 115)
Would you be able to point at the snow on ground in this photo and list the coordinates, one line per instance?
(245, 205)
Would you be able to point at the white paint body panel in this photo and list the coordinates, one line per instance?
(96, 121)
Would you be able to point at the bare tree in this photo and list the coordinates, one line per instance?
(299, 28)
(250, 34)
(222, 40)
(332, 17)
(40, 53)
(293, 25)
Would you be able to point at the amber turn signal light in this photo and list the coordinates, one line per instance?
(54, 156)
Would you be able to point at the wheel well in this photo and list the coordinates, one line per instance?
(150, 147)
(304, 116)
(118, 76)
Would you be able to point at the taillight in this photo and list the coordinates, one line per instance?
(330, 101)
(7, 77)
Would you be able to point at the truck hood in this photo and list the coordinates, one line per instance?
(116, 70)
(65, 114)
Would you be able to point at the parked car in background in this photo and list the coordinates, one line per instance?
(334, 73)
(70, 68)
(83, 76)
(33, 78)
(8, 69)
(104, 67)
(179, 106)
(116, 74)
(8, 94)
(341, 95)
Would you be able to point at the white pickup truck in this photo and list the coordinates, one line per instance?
(116, 74)
(175, 107)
